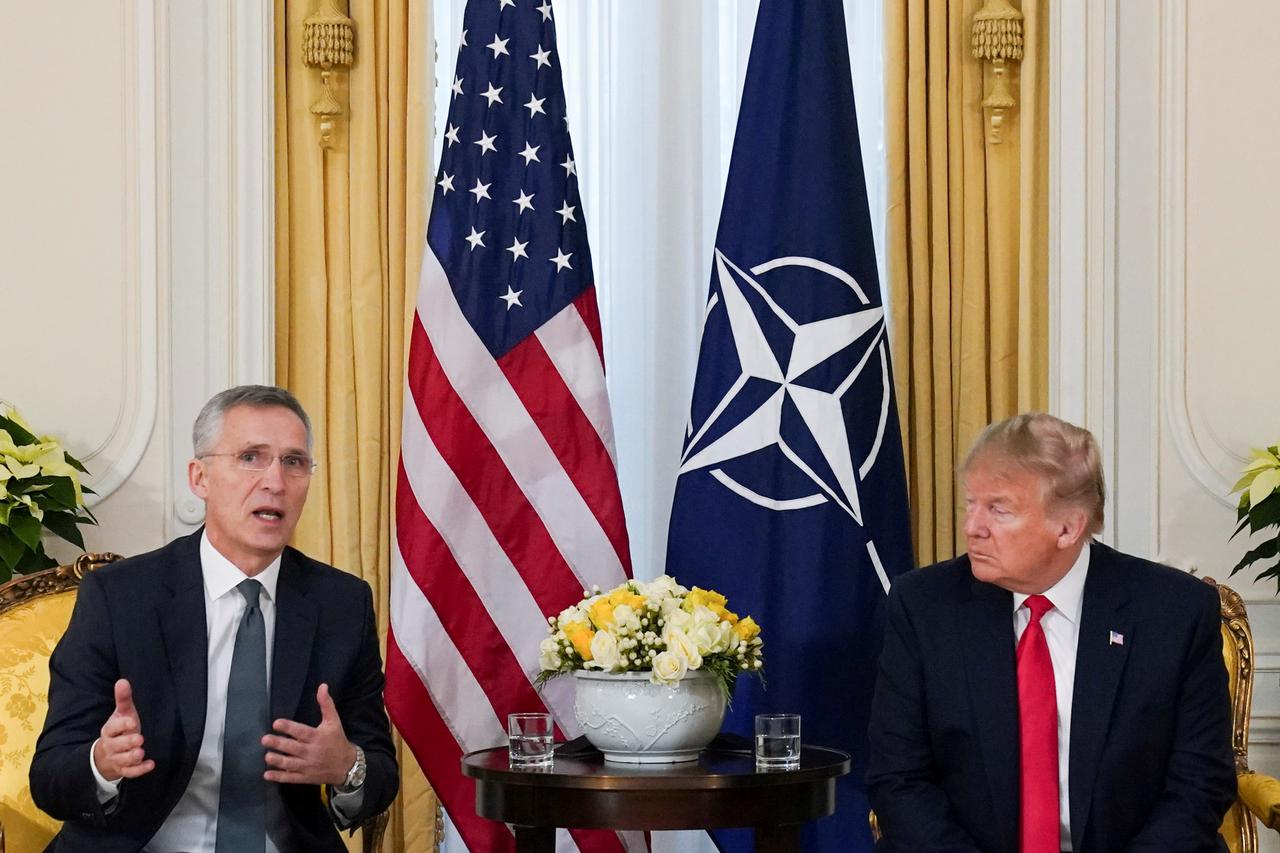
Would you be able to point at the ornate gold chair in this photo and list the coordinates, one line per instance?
(34, 612)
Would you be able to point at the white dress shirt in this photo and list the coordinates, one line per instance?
(193, 823)
(1061, 630)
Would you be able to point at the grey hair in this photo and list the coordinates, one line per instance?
(208, 426)
(1065, 456)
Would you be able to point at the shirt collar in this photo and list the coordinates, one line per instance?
(221, 575)
(1067, 594)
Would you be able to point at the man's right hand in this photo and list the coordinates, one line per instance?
(118, 754)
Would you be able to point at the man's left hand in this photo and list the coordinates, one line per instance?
(306, 755)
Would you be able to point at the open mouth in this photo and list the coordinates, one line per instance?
(268, 515)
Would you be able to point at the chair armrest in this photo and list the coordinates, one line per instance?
(1261, 795)
(371, 832)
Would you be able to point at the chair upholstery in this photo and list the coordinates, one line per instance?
(34, 612)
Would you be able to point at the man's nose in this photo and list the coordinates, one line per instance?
(273, 475)
(973, 524)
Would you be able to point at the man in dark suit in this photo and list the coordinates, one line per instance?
(204, 692)
(1044, 692)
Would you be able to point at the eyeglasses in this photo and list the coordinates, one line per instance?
(292, 464)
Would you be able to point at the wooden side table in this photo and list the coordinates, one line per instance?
(720, 790)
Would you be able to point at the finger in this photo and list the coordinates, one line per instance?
(287, 777)
(138, 769)
(124, 743)
(297, 731)
(128, 757)
(328, 711)
(116, 725)
(287, 745)
(280, 761)
(124, 698)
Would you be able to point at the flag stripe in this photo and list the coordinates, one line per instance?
(484, 390)
(572, 349)
(476, 477)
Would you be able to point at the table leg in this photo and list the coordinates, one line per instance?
(784, 838)
(535, 839)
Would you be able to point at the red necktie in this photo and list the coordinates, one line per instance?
(1038, 726)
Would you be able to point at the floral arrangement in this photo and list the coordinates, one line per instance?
(39, 488)
(659, 627)
(1259, 508)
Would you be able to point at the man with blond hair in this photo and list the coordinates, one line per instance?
(1044, 692)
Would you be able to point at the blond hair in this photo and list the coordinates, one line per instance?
(1065, 456)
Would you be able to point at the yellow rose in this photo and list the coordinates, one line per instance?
(601, 614)
(581, 635)
(706, 597)
(746, 629)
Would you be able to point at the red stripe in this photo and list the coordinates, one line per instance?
(461, 610)
(438, 754)
(590, 313)
(571, 435)
(466, 449)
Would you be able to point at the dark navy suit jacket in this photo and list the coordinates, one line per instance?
(1151, 767)
(144, 619)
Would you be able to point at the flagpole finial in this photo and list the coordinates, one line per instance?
(997, 39)
(328, 42)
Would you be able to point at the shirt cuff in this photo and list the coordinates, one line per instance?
(107, 791)
(346, 806)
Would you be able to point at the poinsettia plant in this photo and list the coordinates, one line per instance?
(40, 490)
(1259, 509)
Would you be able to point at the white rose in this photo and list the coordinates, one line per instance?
(549, 654)
(711, 639)
(570, 614)
(674, 617)
(663, 586)
(604, 652)
(626, 618)
(679, 644)
(668, 668)
(703, 615)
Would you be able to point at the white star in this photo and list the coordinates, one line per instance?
(517, 250)
(566, 213)
(486, 143)
(475, 238)
(535, 106)
(502, 4)
(561, 260)
(498, 46)
(492, 95)
(541, 58)
(788, 369)
(524, 202)
(446, 183)
(570, 168)
(512, 297)
(545, 9)
(530, 154)
(464, 38)
(480, 190)
(451, 134)
(457, 86)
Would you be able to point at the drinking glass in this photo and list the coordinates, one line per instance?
(529, 740)
(777, 741)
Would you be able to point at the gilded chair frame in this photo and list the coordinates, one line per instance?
(25, 588)
(1236, 631)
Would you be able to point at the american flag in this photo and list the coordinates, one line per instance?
(507, 503)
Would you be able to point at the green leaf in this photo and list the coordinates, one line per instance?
(64, 524)
(75, 463)
(60, 490)
(26, 528)
(11, 548)
(1262, 552)
(17, 433)
(1244, 523)
(1265, 514)
(34, 561)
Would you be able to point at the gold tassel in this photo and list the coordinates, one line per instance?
(328, 42)
(997, 38)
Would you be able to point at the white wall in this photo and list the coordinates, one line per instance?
(135, 237)
(1165, 223)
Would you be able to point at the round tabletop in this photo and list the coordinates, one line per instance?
(721, 789)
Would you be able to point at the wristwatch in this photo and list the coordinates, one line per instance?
(355, 776)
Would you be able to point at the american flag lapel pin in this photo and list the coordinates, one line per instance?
(1117, 639)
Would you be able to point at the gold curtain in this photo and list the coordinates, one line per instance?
(967, 246)
(350, 225)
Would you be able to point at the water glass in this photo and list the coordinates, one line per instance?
(529, 740)
(777, 741)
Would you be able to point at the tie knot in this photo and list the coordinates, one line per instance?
(1038, 605)
(250, 589)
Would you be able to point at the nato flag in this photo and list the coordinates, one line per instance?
(791, 498)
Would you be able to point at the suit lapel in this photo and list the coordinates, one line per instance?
(1099, 665)
(987, 629)
(295, 632)
(186, 640)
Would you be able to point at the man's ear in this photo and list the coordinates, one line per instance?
(1073, 526)
(197, 478)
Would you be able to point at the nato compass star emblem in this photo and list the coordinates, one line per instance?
(787, 397)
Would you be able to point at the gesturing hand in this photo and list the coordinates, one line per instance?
(118, 754)
(319, 755)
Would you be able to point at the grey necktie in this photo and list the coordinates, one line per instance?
(242, 795)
